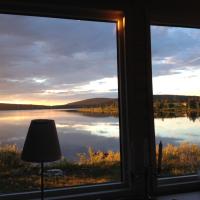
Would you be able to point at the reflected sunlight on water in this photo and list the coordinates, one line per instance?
(76, 132)
(176, 130)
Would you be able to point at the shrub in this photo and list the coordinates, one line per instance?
(180, 160)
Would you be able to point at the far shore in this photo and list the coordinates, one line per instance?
(99, 110)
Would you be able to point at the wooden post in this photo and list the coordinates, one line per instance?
(160, 158)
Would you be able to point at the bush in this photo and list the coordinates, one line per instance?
(99, 157)
(93, 167)
(180, 160)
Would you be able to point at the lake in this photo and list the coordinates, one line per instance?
(177, 130)
(76, 132)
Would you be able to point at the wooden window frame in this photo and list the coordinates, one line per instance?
(85, 12)
(176, 15)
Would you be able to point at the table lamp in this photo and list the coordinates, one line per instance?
(41, 145)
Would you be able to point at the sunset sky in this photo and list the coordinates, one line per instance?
(175, 60)
(56, 61)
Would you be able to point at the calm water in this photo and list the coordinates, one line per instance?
(76, 131)
(177, 130)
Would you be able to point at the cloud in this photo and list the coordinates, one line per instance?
(39, 54)
(183, 82)
(174, 48)
(104, 85)
(39, 91)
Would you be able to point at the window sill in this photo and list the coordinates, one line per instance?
(183, 196)
(178, 184)
(101, 191)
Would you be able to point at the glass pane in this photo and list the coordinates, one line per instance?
(176, 89)
(64, 70)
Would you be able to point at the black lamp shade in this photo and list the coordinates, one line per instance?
(41, 144)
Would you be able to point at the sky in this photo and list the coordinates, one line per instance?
(53, 61)
(175, 60)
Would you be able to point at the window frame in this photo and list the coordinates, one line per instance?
(86, 12)
(184, 183)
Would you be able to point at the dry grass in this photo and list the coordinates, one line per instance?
(99, 157)
(92, 168)
(180, 160)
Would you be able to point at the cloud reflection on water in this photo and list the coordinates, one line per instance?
(76, 132)
(99, 128)
(176, 130)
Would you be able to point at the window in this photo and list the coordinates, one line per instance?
(49, 65)
(175, 66)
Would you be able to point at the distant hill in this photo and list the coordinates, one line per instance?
(174, 98)
(93, 102)
(7, 106)
(88, 103)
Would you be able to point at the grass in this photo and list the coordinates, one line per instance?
(179, 160)
(92, 168)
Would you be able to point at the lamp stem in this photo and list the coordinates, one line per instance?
(42, 181)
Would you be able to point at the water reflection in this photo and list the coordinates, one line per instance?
(177, 130)
(76, 132)
(192, 115)
(98, 128)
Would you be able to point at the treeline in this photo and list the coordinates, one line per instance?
(107, 109)
(175, 103)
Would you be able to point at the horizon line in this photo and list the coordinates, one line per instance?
(51, 105)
